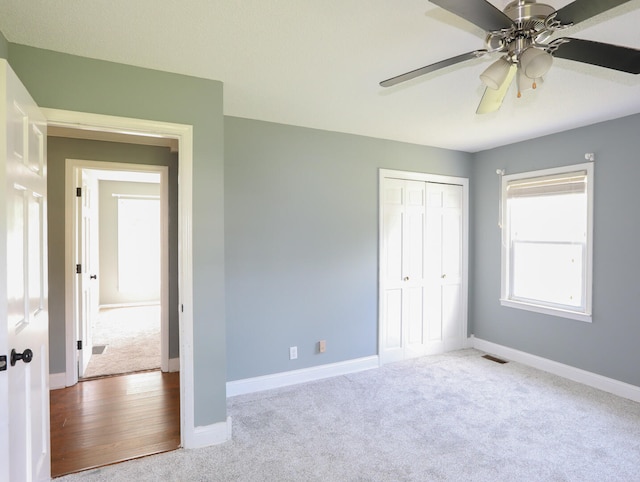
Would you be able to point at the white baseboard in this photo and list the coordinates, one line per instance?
(468, 343)
(594, 380)
(277, 380)
(57, 381)
(174, 365)
(208, 435)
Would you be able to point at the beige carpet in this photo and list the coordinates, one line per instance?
(131, 340)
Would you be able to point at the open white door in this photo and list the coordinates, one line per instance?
(87, 252)
(24, 381)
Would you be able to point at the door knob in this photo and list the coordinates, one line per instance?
(26, 356)
(93, 276)
(443, 276)
(406, 278)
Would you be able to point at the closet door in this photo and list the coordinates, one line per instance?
(443, 284)
(402, 267)
(421, 269)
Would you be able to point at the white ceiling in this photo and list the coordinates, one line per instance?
(317, 63)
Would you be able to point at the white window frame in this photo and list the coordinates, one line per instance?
(505, 297)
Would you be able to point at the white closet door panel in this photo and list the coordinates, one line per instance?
(392, 255)
(393, 318)
(412, 315)
(413, 247)
(433, 312)
(451, 311)
(451, 245)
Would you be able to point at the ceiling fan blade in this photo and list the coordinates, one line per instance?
(430, 68)
(581, 10)
(609, 56)
(478, 12)
(492, 98)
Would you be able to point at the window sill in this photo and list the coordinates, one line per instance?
(573, 315)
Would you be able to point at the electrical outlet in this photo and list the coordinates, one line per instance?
(322, 346)
(293, 352)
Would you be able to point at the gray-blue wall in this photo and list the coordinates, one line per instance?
(74, 83)
(301, 236)
(609, 345)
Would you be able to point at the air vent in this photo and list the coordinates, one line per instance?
(98, 349)
(494, 359)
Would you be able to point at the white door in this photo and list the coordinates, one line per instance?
(443, 287)
(87, 252)
(403, 269)
(421, 269)
(24, 386)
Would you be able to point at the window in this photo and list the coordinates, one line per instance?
(546, 241)
(139, 246)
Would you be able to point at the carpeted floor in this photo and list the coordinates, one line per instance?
(452, 417)
(131, 340)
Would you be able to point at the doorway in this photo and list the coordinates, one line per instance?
(121, 287)
(423, 264)
(125, 186)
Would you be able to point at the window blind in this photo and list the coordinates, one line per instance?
(557, 184)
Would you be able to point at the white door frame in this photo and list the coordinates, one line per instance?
(72, 166)
(435, 178)
(184, 134)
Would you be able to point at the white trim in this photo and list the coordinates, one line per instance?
(209, 435)
(432, 178)
(277, 380)
(469, 342)
(573, 315)
(184, 134)
(57, 381)
(72, 166)
(174, 365)
(594, 380)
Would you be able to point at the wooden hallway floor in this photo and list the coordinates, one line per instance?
(107, 420)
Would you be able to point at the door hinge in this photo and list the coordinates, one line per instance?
(78, 192)
(79, 344)
(78, 269)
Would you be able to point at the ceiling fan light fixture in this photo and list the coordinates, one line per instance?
(495, 75)
(523, 82)
(535, 62)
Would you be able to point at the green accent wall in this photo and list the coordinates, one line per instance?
(75, 83)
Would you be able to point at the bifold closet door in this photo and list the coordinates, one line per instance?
(421, 267)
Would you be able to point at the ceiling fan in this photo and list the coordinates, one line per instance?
(522, 34)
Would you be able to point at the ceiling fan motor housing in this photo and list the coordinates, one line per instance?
(529, 19)
(528, 14)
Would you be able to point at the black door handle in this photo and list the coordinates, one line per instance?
(93, 276)
(25, 356)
